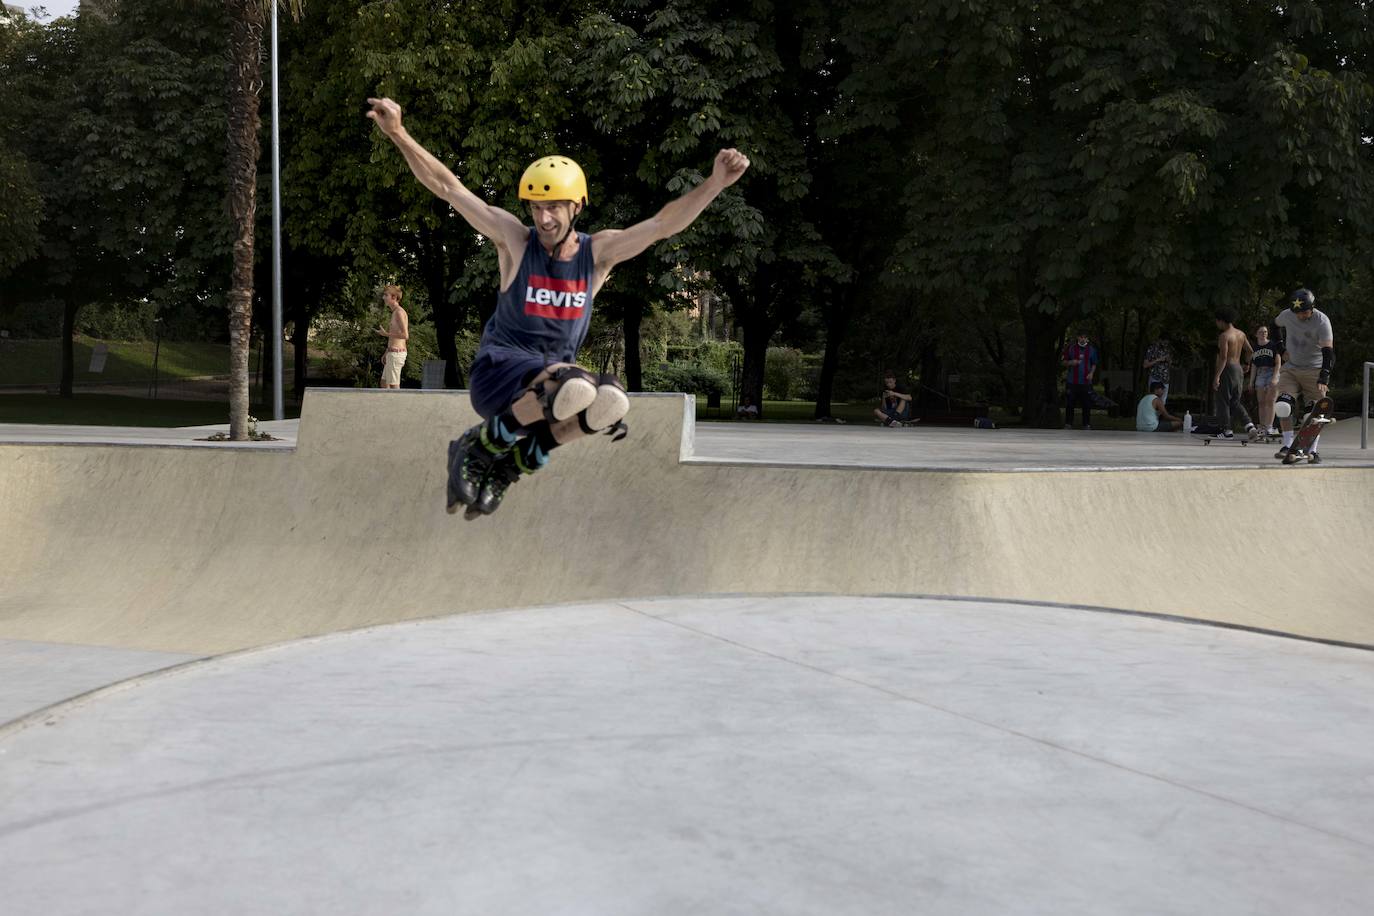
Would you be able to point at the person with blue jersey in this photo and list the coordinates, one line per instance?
(524, 381)
(1080, 360)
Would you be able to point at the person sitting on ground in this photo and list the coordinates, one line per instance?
(1150, 414)
(747, 409)
(894, 407)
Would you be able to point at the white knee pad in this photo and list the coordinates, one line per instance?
(576, 392)
(608, 410)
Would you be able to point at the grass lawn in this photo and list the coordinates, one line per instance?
(106, 410)
(39, 362)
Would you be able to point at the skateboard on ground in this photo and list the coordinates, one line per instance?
(1311, 428)
(1242, 440)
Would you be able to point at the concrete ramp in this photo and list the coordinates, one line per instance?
(203, 551)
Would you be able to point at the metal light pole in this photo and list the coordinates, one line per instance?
(277, 411)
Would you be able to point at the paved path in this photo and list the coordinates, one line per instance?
(748, 755)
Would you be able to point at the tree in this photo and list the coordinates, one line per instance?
(672, 82)
(246, 21)
(473, 81)
(125, 156)
(1080, 161)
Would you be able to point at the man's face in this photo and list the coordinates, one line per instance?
(889, 382)
(1082, 340)
(391, 298)
(1305, 315)
(552, 219)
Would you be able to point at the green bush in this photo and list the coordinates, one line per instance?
(686, 377)
(32, 320)
(108, 321)
(784, 374)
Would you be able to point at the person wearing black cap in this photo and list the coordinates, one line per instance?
(1307, 344)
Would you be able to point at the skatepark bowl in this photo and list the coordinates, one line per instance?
(728, 669)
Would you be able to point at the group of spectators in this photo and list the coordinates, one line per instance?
(1292, 365)
(1243, 365)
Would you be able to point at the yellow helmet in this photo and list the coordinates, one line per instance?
(554, 178)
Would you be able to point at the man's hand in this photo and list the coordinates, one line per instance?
(729, 166)
(1216, 383)
(1322, 390)
(387, 114)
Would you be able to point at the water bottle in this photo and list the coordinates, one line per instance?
(1187, 421)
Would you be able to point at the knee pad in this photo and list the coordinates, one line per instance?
(607, 411)
(574, 392)
(1283, 407)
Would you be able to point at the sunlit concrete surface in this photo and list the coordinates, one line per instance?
(36, 674)
(1013, 449)
(283, 434)
(809, 755)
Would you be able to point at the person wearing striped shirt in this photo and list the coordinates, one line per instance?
(1080, 360)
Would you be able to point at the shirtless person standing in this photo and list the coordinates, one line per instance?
(396, 336)
(524, 382)
(1229, 380)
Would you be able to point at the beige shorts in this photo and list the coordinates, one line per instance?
(1299, 383)
(391, 367)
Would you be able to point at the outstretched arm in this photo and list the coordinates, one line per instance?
(612, 246)
(500, 226)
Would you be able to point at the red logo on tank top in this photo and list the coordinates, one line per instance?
(550, 297)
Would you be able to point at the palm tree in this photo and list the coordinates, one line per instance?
(247, 19)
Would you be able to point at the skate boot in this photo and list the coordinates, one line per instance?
(469, 461)
(1314, 458)
(1282, 453)
(505, 471)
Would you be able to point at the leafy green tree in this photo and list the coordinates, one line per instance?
(125, 155)
(1079, 160)
(668, 84)
(473, 80)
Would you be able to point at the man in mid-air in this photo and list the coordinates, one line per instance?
(524, 382)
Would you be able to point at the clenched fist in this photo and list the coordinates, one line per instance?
(730, 165)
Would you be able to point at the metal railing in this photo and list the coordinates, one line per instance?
(1364, 409)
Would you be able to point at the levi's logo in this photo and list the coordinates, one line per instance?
(550, 297)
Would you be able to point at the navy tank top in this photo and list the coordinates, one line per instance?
(1264, 357)
(548, 307)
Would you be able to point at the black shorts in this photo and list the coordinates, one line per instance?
(498, 375)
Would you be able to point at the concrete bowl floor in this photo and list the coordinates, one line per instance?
(715, 755)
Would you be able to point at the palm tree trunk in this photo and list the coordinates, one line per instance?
(246, 20)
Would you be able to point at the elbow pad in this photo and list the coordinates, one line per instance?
(1328, 361)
